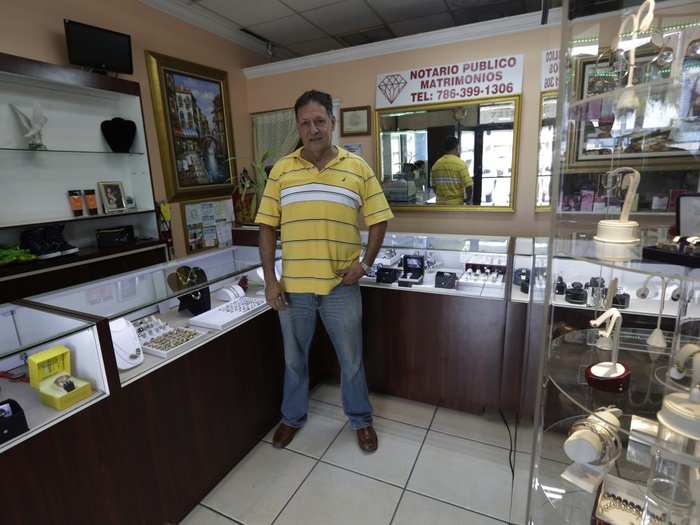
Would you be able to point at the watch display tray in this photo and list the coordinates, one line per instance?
(655, 253)
(227, 314)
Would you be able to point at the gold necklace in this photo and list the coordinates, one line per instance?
(189, 281)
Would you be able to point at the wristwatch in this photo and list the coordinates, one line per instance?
(365, 268)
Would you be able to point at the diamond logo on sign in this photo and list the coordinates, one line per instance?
(391, 86)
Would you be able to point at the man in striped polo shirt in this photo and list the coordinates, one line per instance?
(314, 195)
(450, 176)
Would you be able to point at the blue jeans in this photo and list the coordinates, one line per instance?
(341, 314)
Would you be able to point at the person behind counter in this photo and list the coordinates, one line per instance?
(315, 193)
(450, 176)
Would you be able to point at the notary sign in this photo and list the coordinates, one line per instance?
(550, 70)
(487, 77)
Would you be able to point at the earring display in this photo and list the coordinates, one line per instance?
(621, 300)
(13, 422)
(594, 440)
(446, 280)
(158, 338)
(576, 294)
(50, 375)
(387, 275)
(560, 286)
(609, 376)
(227, 314)
(685, 355)
(521, 274)
(127, 346)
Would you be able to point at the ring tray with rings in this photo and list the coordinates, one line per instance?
(50, 374)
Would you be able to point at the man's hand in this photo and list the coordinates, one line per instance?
(352, 274)
(274, 295)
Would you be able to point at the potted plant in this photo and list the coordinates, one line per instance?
(248, 190)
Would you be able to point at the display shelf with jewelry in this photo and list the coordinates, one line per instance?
(622, 313)
(57, 152)
(153, 312)
(462, 265)
(50, 369)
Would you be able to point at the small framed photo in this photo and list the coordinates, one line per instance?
(112, 195)
(355, 121)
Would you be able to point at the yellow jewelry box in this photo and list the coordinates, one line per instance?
(49, 373)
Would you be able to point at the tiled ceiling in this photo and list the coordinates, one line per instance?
(304, 27)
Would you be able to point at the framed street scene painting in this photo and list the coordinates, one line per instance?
(193, 121)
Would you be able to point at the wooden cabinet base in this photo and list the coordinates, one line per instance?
(151, 451)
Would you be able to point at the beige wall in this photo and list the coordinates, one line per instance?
(353, 83)
(34, 29)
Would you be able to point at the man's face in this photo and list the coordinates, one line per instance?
(315, 127)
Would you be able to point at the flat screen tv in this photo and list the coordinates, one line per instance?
(97, 48)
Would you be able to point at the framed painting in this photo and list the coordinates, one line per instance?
(355, 121)
(645, 136)
(193, 122)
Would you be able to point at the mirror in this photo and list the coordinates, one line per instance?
(545, 157)
(411, 140)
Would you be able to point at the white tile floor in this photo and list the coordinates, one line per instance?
(434, 466)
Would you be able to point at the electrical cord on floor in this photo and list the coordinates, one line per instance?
(511, 451)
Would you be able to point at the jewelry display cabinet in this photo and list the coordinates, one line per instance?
(50, 369)
(76, 179)
(194, 368)
(461, 265)
(162, 312)
(450, 294)
(617, 419)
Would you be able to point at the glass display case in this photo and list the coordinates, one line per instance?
(617, 424)
(466, 265)
(529, 264)
(162, 312)
(50, 368)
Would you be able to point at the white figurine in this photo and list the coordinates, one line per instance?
(32, 127)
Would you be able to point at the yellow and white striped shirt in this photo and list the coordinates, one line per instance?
(318, 214)
(449, 178)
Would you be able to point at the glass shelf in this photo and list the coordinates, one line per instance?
(444, 242)
(55, 220)
(115, 297)
(15, 316)
(627, 257)
(572, 353)
(79, 152)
